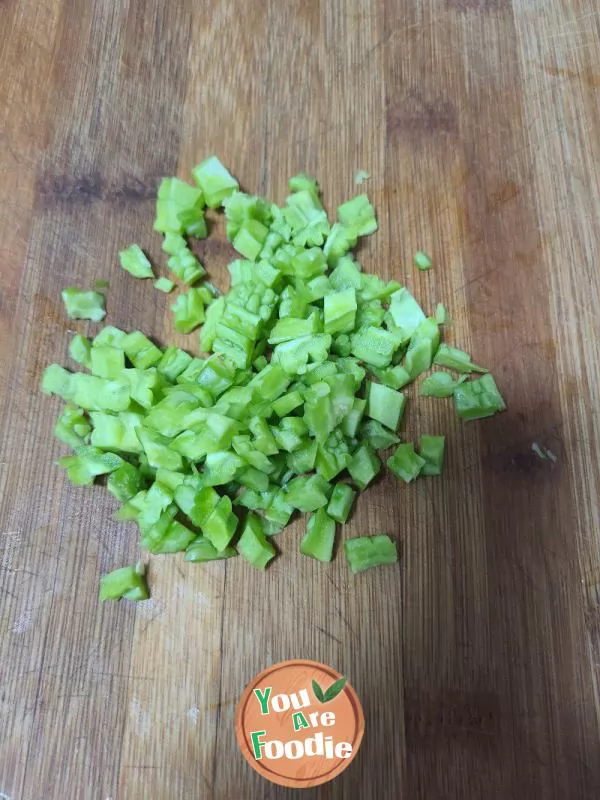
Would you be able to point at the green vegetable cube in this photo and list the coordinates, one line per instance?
(140, 350)
(134, 260)
(178, 206)
(478, 399)
(220, 526)
(358, 215)
(340, 311)
(422, 260)
(185, 266)
(201, 549)
(177, 537)
(116, 431)
(157, 450)
(365, 466)
(127, 582)
(188, 310)
(378, 436)
(253, 544)
(441, 315)
(319, 538)
(111, 336)
(405, 463)
(164, 285)
(431, 448)
(406, 313)
(364, 552)
(125, 482)
(107, 361)
(80, 304)
(340, 503)
(250, 239)
(373, 345)
(87, 463)
(173, 362)
(79, 350)
(307, 493)
(215, 181)
(440, 384)
(385, 405)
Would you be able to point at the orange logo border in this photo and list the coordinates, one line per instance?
(246, 747)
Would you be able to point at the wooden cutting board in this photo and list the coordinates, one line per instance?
(477, 659)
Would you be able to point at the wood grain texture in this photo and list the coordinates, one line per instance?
(478, 661)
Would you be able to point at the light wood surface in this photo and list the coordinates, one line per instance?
(477, 660)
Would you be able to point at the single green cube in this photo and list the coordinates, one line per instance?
(365, 465)
(385, 405)
(340, 503)
(431, 448)
(405, 463)
(364, 552)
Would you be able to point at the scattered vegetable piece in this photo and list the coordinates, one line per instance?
(358, 215)
(179, 208)
(80, 304)
(385, 405)
(340, 311)
(406, 313)
(164, 285)
(80, 350)
(422, 347)
(431, 449)
(422, 260)
(455, 359)
(440, 384)
(125, 482)
(254, 545)
(215, 181)
(365, 466)
(319, 537)
(201, 549)
(378, 437)
(478, 399)
(405, 463)
(364, 552)
(185, 266)
(127, 582)
(72, 427)
(307, 493)
(340, 502)
(188, 310)
(135, 261)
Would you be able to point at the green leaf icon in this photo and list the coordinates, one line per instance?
(318, 692)
(331, 693)
(334, 689)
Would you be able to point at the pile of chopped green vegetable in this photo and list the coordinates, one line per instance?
(290, 408)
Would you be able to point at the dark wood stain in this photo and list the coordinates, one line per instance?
(589, 77)
(214, 250)
(485, 6)
(78, 190)
(504, 194)
(469, 717)
(415, 114)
